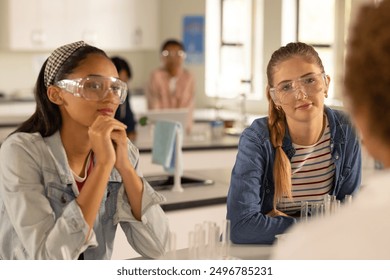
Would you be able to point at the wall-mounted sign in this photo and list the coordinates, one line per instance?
(193, 38)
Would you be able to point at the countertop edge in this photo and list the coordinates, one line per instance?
(193, 204)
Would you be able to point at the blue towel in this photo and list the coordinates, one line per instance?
(164, 144)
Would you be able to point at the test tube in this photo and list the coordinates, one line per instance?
(327, 199)
(304, 211)
(315, 209)
(200, 241)
(172, 246)
(348, 199)
(191, 246)
(333, 204)
(225, 246)
(212, 240)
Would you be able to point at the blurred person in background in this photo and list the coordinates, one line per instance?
(124, 113)
(171, 86)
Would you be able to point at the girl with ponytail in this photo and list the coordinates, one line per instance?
(300, 152)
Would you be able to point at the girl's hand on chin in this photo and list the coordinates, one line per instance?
(101, 140)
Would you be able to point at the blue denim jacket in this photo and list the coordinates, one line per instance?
(39, 216)
(251, 191)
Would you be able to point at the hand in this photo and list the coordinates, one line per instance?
(101, 137)
(120, 140)
(275, 213)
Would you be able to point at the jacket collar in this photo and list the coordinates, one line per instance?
(57, 151)
(337, 133)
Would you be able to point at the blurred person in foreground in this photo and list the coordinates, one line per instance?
(124, 113)
(360, 230)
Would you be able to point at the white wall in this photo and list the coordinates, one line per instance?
(19, 70)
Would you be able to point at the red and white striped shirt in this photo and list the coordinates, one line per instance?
(312, 171)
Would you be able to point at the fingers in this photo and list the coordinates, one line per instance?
(119, 137)
(275, 213)
(103, 126)
(100, 133)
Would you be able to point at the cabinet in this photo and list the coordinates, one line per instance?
(40, 25)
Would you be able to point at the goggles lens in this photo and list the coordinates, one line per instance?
(166, 53)
(95, 88)
(287, 92)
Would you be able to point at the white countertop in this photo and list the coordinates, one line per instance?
(200, 138)
(199, 195)
(236, 251)
(14, 113)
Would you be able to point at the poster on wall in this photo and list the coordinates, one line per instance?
(193, 39)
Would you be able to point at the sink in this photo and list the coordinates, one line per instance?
(165, 182)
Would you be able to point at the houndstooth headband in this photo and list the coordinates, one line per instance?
(58, 58)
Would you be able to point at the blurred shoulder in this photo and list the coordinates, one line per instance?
(339, 115)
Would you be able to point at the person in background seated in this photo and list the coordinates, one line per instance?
(172, 86)
(69, 174)
(360, 230)
(124, 113)
(301, 152)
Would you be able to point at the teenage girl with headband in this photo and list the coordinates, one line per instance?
(69, 175)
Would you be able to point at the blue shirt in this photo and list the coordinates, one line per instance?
(251, 191)
(39, 215)
(125, 115)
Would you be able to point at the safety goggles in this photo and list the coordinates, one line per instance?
(95, 88)
(179, 53)
(288, 92)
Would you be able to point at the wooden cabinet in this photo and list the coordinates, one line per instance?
(40, 25)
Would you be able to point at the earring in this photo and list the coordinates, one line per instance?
(326, 94)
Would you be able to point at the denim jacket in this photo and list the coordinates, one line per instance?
(39, 216)
(251, 191)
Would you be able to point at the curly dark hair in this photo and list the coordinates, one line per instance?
(367, 76)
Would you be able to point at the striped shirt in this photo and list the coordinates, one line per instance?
(312, 170)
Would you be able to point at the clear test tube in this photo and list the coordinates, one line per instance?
(304, 211)
(327, 199)
(225, 244)
(322, 210)
(172, 246)
(333, 204)
(212, 241)
(337, 206)
(192, 255)
(200, 241)
(315, 209)
(348, 199)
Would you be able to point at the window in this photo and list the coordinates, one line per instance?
(236, 45)
(230, 49)
(315, 26)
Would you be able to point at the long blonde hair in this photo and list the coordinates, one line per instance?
(277, 119)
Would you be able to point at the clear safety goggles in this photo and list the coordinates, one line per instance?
(288, 92)
(95, 88)
(179, 53)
